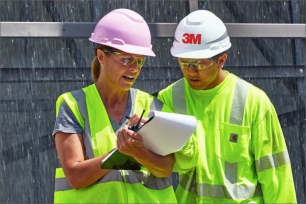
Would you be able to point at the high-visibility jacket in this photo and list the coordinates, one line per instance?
(118, 186)
(242, 152)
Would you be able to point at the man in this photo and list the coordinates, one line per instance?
(242, 151)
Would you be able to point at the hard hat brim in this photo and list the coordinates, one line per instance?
(197, 54)
(132, 49)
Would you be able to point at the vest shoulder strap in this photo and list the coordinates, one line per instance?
(178, 93)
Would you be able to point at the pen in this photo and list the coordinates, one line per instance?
(137, 126)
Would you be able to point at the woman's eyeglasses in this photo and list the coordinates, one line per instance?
(127, 59)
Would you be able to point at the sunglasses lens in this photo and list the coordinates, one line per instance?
(141, 62)
(125, 61)
(184, 65)
(200, 65)
(205, 65)
(130, 61)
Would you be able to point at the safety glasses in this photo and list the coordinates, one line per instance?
(127, 59)
(199, 64)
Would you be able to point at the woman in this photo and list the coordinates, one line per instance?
(90, 122)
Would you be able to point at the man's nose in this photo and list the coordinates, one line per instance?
(192, 68)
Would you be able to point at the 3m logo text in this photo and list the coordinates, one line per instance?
(190, 38)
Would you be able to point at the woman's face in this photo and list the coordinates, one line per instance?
(120, 69)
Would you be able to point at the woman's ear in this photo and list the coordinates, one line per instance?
(100, 56)
(221, 61)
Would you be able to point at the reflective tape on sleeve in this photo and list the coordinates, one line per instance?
(272, 161)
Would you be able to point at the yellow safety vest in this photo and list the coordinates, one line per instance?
(118, 186)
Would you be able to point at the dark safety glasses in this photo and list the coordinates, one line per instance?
(127, 59)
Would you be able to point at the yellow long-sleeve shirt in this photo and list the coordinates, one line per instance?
(242, 152)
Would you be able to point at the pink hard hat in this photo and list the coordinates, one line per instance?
(125, 30)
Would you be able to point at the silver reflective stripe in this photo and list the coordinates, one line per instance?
(231, 177)
(231, 169)
(156, 105)
(188, 182)
(272, 161)
(79, 96)
(230, 191)
(133, 93)
(61, 184)
(219, 191)
(178, 93)
(240, 95)
(222, 37)
(131, 177)
(150, 181)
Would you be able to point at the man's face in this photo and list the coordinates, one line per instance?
(203, 73)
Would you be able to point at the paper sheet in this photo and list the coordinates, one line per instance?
(167, 132)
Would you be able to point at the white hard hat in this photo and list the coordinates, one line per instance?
(200, 35)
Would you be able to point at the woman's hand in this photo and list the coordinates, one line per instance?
(134, 123)
(129, 142)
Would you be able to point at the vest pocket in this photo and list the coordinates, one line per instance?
(234, 142)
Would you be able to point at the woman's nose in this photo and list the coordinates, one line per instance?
(133, 66)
